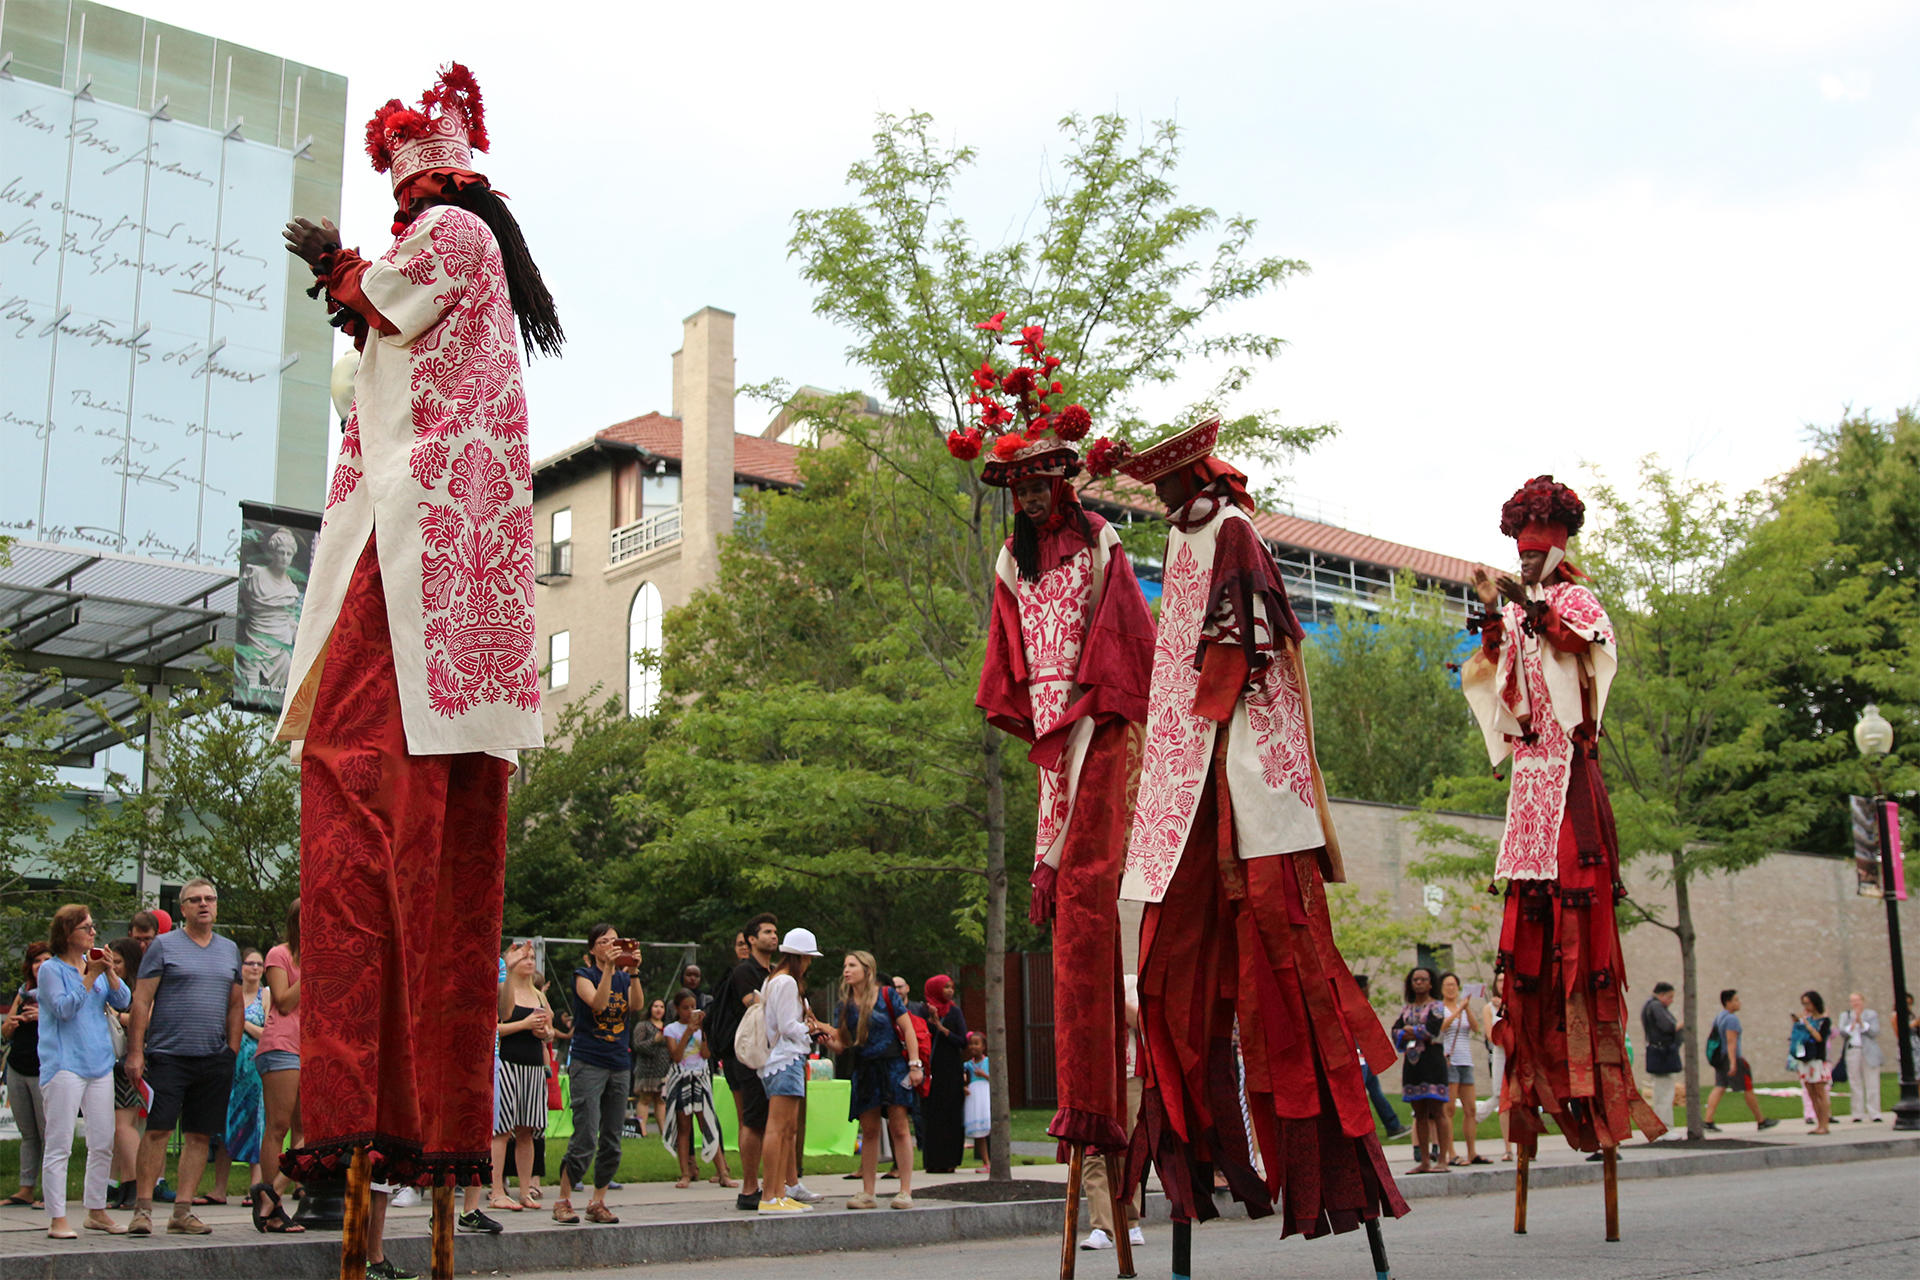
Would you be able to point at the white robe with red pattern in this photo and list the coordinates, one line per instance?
(434, 465)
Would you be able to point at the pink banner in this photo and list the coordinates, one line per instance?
(1893, 848)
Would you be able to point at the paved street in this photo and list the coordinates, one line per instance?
(1850, 1222)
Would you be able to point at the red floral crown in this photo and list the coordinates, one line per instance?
(1542, 500)
(1019, 421)
(449, 125)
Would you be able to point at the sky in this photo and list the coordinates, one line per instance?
(1543, 238)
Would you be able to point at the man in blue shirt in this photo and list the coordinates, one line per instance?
(185, 1032)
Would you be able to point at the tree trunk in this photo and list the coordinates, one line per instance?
(1690, 1039)
(999, 1138)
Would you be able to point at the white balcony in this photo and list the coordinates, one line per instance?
(647, 534)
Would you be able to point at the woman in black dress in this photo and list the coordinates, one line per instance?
(945, 1108)
(1423, 1065)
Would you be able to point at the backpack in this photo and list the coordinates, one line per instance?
(750, 1047)
(920, 1033)
(1716, 1048)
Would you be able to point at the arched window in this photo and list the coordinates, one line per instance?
(643, 650)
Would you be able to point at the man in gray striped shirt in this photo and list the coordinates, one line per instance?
(182, 1040)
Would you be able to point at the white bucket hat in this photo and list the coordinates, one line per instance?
(799, 942)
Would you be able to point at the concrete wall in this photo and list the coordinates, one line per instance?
(1788, 924)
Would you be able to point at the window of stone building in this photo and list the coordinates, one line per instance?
(658, 492)
(643, 650)
(626, 493)
(559, 658)
(563, 526)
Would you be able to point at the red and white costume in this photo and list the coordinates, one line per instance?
(414, 683)
(1538, 686)
(1231, 849)
(1066, 669)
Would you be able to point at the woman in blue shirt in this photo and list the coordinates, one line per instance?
(887, 1072)
(76, 1065)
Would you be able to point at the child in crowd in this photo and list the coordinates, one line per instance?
(978, 1117)
(689, 1093)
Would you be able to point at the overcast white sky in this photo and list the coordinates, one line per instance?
(1541, 235)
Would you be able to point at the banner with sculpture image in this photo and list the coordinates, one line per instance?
(276, 555)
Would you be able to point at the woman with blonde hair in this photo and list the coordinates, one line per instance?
(886, 1074)
(77, 984)
(520, 1098)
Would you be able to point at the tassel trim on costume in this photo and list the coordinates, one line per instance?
(397, 1161)
(1076, 1128)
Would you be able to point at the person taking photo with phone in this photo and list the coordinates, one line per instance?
(76, 986)
(604, 991)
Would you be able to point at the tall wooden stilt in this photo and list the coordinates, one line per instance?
(1075, 1159)
(1122, 1228)
(1610, 1166)
(1377, 1245)
(1182, 1249)
(440, 1266)
(1520, 1194)
(353, 1226)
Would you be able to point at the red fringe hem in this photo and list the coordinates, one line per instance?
(396, 1161)
(1077, 1128)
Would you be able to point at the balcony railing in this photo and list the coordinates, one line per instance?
(649, 533)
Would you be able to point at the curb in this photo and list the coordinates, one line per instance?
(630, 1244)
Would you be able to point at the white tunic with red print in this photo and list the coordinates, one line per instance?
(1528, 704)
(1271, 775)
(434, 465)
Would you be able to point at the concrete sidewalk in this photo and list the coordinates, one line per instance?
(660, 1223)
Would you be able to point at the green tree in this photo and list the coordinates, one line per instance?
(1712, 599)
(1130, 284)
(1388, 717)
(28, 786)
(224, 803)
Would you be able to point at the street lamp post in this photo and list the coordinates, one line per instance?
(1874, 737)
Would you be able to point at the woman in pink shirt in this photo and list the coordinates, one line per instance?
(278, 1060)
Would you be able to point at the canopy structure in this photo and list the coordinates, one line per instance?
(87, 621)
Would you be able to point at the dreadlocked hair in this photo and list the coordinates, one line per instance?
(532, 304)
(1026, 537)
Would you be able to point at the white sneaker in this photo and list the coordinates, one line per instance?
(798, 1191)
(1097, 1239)
(403, 1198)
(1134, 1236)
(785, 1204)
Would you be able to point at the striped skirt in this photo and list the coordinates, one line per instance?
(520, 1102)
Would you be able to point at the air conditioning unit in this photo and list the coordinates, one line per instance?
(552, 562)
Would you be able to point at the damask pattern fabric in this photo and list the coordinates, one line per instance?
(402, 870)
(434, 464)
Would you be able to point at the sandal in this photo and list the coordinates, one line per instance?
(24, 1201)
(1456, 1163)
(502, 1202)
(199, 1201)
(1479, 1160)
(274, 1220)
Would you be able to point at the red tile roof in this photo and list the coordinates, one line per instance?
(1308, 535)
(754, 458)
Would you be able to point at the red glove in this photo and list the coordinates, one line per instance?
(1042, 880)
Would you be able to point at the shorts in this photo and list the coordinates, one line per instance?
(749, 1096)
(1459, 1073)
(1738, 1078)
(189, 1092)
(125, 1096)
(276, 1060)
(789, 1081)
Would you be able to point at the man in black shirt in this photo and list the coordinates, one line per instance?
(729, 1006)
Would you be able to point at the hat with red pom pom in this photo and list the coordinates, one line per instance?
(1024, 434)
(442, 132)
(1542, 514)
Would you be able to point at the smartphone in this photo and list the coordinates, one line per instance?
(96, 953)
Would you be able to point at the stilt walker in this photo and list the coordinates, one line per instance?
(1069, 653)
(414, 680)
(1538, 686)
(1232, 849)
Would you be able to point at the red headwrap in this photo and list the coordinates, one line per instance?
(939, 993)
(1210, 469)
(1542, 535)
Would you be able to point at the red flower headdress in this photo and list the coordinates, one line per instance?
(1019, 421)
(1542, 513)
(443, 132)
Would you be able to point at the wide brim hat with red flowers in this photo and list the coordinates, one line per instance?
(1022, 429)
(442, 133)
(1186, 448)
